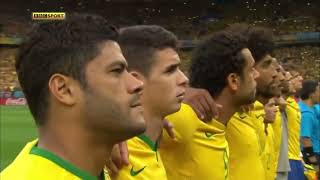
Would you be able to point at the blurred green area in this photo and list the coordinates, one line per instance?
(17, 127)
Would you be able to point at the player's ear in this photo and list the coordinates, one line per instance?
(62, 88)
(233, 81)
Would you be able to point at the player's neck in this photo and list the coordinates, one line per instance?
(229, 108)
(154, 125)
(285, 96)
(84, 150)
(263, 100)
(308, 102)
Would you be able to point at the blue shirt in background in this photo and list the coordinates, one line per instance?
(310, 125)
(317, 110)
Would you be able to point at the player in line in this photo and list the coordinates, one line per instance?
(224, 66)
(151, 52)
(250, 124)
(81, 96)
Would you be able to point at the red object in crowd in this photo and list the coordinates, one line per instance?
(13, 101)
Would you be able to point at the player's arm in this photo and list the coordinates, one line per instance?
(202, 103)
(270, 110)
(182, 124)
(306, 132)
(281, 103)
(308, 154)
(119, 158)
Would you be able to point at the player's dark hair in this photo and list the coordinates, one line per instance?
(308, 87)
(215, 58)
(260, 42)
(291, 67)
(139, 43)
(63, 47)
(260, 39)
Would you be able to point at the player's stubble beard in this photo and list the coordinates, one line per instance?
(110, 118)
(265, 92)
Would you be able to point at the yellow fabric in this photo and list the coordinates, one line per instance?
(199, 151)
(294, 123)
(257, 114)
(269, 154)
(145, 162)
(31, 166)
(277, 130)
(268, 142)
(310, 172)
(245, 151)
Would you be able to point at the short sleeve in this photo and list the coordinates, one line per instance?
(306, 124)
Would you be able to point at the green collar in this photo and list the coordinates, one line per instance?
(62, 163)
(149, 142)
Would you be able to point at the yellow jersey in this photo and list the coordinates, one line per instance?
(145, 160)
(294, 123)
(245, 151)
(199, 150)
(257, 114)
(270, 144)
(269, 154)
(268, 141)
(277, 136)
(37, 163)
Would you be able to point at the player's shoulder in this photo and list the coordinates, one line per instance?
(141, 143)
(185, 115)
(242, 116)
(21, 164)
(29, 169)
(257, 105)
(308, 112)
(257, 114)
(185, 110)
(240, 119)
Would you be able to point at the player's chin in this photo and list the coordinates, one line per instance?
(137, 124)
(174, 107)
(250, 98)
